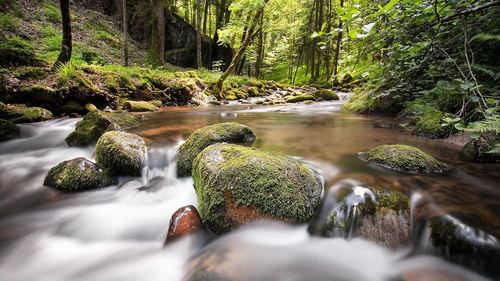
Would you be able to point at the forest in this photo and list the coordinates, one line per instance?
(249, 140)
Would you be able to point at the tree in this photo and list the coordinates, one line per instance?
(125, 32)
(198, 34)
(66, 48)
(158, 32)
(248, 38)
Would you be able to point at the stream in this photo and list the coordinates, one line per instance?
(117, 233)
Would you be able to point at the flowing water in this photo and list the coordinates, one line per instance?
(117, 233)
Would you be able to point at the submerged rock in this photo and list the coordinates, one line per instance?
(229, 132)
(373, 214)
(24, 114)
(300, 98)
(139, 106)
(403, 158)
(96, 123)
(121, 153)
(327, 95)
(8, 130)
(237, 185)
(481, 149)
(186, 220)
(76, 175)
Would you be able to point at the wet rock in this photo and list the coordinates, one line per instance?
(373, 214)
(300, 98)
(73, 107)
(24, 114)
(237, 185)
(480, 150)
(229, 132)
(139, 106)
(184, 221)
(76, 175)
(403, 158)
(121, 153)
(8, 130)
(326, 95)
(96, 123)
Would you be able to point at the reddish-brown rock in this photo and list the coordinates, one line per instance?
(186, 220)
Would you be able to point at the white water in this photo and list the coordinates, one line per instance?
(117, 233)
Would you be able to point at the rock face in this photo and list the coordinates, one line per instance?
(139, 106)
(76, 175)
(186, 220)
(236, 185)
(121, 153)
(24, 114)
(229, 132)
(96, 123)
(403, 158)
(300, 98)
(373, 214)
(8, 130)
(480, 149)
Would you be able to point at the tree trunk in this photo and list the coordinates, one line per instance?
(125, 32)
(337, 48)
(159, 30)
(242, 48)
(66, 48)
(260, 49)
(205, 15)
(198, 34)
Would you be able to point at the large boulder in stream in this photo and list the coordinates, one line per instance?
(229, 132)
(77, 175)
(373, 214)
(96, 123)
(237, 185)
(484, 149)
(121, 153)
(403, 158)
(24, 114)
(8, 130)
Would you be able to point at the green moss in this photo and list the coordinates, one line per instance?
(429, 124)
(17, 51)
(90, 107)
(404, 158)
(52, 13)
(96, 123)
(300, 98)
(29, 72)
(8, 22)
(76, 175)
(278, 186)
(252, 91)
(24, 114)
(8, 130)
(139, 106)
(121, 153)
(326, 95)
(230, 132)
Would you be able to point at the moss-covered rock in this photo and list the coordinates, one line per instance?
(139, 106)
(76, 175)
(252, 91)
(362, 102)
(300, 98)
(73, 107)
(96, 123)
(157, 103)
(428, 124)
(403, 158)
(229, 132)
(8, 130)
(327, 95)
(374, 214)
(24, 114)
(121, 153)
(484, 149)
(90, 107)
(236, 185)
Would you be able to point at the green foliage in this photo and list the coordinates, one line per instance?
(65, 73)
(52, 13)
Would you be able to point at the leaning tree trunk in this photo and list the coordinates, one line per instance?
(198, 34)
(125, 32)
(243, 47)
(65, 54)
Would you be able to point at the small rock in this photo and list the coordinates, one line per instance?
(184, 221)
(121, 153)
(76, 175)
(8, 130)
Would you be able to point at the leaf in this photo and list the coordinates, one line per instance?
(481, 37)
(390, 5)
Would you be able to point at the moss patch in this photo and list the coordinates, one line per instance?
(229, 132)
(403, 158)
(121, 153)
(228, 176)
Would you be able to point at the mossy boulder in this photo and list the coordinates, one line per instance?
(76, 175)
(73, 107)
(24, 114)
(90, 107)
(403, 158)
(229, 132)
(326, 95)
(428, 124)
(300, 98)
(96, 123)
(236, 185)
(8, 130)
(484, 149)
(121, 153)
(374, 214)
(252, 91)
(157, 103)
(139, 106)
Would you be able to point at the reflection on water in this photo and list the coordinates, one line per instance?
(117, 233)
